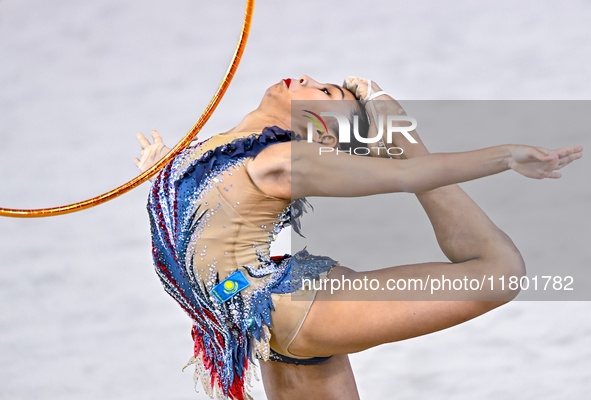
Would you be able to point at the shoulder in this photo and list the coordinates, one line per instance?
(273, 158)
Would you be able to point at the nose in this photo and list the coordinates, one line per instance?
(305, 80)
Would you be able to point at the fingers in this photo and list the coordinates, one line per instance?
(357, 86)
(569, 158)
(156, 137)
(565, 151)
(143, 141)
(568, 154)
(352, 83)
(554, 175)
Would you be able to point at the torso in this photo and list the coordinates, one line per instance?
(240, 221)
(212, 218)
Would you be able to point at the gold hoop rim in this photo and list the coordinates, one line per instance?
(135, 182)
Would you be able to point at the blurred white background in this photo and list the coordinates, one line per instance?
(82, 315)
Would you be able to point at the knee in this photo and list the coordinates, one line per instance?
(506, 258)
(507, 271)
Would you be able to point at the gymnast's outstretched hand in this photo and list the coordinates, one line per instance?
(539, 163)
(151, 152)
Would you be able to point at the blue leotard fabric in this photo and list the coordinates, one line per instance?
(188, 203)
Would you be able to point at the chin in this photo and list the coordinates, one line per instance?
(272, 91)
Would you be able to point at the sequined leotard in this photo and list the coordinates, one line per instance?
(209, 220)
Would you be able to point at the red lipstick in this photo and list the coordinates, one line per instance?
(287, 82)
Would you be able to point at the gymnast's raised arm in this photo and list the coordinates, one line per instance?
(300, 169)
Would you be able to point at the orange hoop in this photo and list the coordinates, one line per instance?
(70, 208)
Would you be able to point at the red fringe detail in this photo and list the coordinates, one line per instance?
(236, 389)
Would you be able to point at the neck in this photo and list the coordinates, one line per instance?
(256, 121)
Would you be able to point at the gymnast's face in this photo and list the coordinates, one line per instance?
(278, 98)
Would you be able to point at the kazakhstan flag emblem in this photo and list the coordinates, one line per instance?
(230, 286)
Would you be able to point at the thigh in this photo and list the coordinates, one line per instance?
(332, 379)
(290, 310)
(336, 324)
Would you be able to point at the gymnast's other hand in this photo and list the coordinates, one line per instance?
(358, 86)
(384, 105)
(151, 153)
(539, 163)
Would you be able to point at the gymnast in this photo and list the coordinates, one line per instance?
(216, 208)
